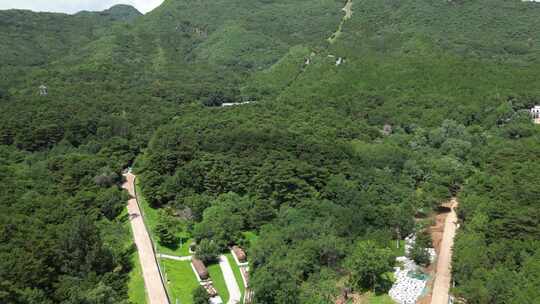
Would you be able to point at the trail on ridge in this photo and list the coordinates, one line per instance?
(348, 15)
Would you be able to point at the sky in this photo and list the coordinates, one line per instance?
(73, 6)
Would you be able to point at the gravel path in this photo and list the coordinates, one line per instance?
(230, 280)
(443, 275)
(173, 257)
(152, 279)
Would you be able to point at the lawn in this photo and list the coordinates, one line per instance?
(182, 280)
(151, 218)
(371, 298)
(251, 237)
(398, 251)
(180, 250)
(219, 281)
(186, 241)
(380, 299)
(237, 274)
(136, 289)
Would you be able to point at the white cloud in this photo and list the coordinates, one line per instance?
(73, 6)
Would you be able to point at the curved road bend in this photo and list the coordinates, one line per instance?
(152, 279)
(443, 276)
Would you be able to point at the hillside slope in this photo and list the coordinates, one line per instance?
(31, 39)
(348, 140)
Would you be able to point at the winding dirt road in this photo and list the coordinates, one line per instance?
(443, 276)
(152, 279)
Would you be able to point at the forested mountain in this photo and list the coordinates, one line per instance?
(35, 39)
(358, 127)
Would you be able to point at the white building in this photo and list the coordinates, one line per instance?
(232, 104)
(535, 112)
(43, 90)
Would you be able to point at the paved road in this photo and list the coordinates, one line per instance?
(152, 280)
(443, 276)
(230, 280)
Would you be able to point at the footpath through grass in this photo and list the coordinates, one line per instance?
(219, 281)
(182, 280)
(398, 251)
(237, 274)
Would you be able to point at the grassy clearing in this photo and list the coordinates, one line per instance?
(219, 281)
(237, 274)
(182, 250)
(136, 289)
(380, 299)
(371, 298)
(151, 218)
(182, 280)
(398, 251)
(251, 236)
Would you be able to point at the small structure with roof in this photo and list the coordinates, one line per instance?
(387, 129)
(535, 113)
(232, 104)
(240, 254)
(43, 90)
(200, 269)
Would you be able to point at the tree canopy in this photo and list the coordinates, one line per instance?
(327, 164)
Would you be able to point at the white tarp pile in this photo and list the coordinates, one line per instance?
(406, 288)
(216, 300)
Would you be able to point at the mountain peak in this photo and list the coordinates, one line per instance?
(120, 12)
(123, 12)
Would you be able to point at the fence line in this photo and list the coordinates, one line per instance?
(154, 247)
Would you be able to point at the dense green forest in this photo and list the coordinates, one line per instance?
(330, 163)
